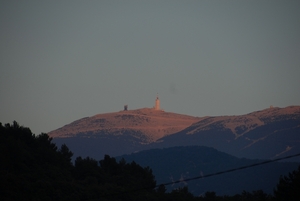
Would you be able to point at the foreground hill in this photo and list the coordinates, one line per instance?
(179, 163)
(265, 134)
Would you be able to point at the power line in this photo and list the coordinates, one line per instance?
(230, 170)
(204, 176)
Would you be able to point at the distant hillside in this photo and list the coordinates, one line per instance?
(264, 134)
(178, 163)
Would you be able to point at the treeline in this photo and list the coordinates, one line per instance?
(34, 168)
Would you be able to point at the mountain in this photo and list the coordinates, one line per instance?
(120, 132)
(265, 134)
(179, 163)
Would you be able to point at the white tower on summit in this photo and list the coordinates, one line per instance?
(156, 107)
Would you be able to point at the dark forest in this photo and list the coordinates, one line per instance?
(33, 168)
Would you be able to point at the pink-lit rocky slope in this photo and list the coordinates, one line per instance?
(242, 124)
(151, 124)
(269, 133)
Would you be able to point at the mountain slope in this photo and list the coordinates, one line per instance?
(269, 133)
(152, 124)
(119, 132)
(179, 163)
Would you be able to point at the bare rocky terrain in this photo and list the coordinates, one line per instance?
(153, 124)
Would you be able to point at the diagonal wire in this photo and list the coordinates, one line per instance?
(230, 170)
(204, 176)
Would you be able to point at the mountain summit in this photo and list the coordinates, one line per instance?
(147, 124)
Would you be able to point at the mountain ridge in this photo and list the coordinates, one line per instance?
(250, 120)
(268, 133)
(254, 117)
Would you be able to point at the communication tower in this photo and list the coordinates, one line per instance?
(156, 107)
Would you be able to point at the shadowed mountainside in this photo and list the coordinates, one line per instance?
(179, 163)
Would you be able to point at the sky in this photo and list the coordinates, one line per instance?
(64, 60)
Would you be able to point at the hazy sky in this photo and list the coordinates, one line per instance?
(64, 60)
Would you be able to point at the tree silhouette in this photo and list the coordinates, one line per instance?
(288, 187)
